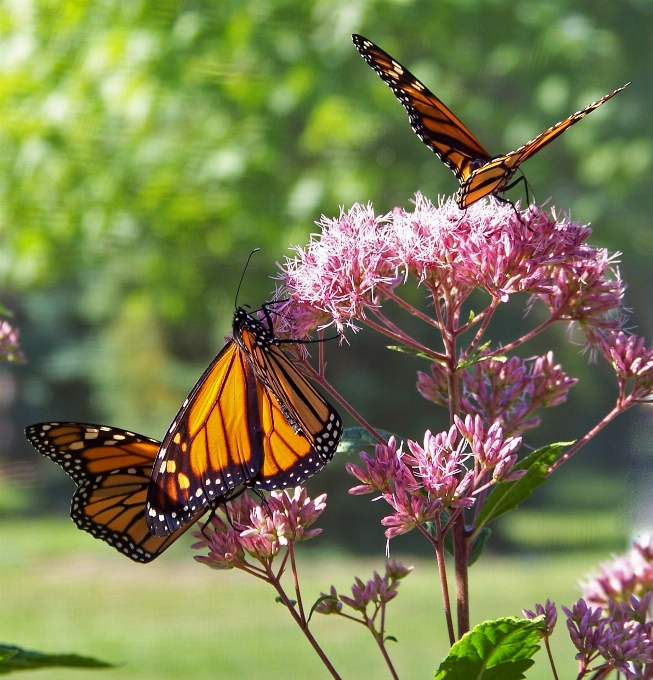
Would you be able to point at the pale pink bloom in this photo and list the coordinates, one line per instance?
(439, 465)
(630, 359)
(297, 512)
(621, 577)
(9, 345)
(380, 470)
(588, 290)
(259, 529)
(339, 271)
(550, 615)
(224, 548)
(378, 591)
(411, 510)
(345, 269)
(490, 450)
(508, 392)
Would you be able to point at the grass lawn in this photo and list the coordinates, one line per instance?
(62, 591)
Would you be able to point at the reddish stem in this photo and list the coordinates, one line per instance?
(272, 579)
(406, 340)
(320, 380)
(620, 407)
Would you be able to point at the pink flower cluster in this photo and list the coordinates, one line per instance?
(437, 476)
(506, 391)
(9, 344)
(360, 257)
(631, 360)
(622, 576)
(258, 529)
(620, 639)
(378, 591)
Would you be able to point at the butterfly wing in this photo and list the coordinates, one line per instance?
(494, 175)
(250, 420)
(302, 405)
(112, 470)
(430, 119)
(213, 445)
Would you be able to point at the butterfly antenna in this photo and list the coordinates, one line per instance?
(242, 276)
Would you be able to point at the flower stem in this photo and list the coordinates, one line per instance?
(548, 651)
(295, 579)
(619, 408)
(321, 380)
(438, 545)
(304, 626)
(380, 642)
(406, 340)
(408, 307)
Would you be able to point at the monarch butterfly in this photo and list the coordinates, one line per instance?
(112, 470)
(251, 419)
(479, 173)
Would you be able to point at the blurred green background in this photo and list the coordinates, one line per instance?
(147, 147)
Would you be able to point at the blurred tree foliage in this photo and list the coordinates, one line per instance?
(146, 147)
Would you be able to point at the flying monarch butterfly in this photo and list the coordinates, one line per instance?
(112, 469)
(252, 419)
(479, 173)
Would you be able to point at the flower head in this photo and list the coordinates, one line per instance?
(9, 346)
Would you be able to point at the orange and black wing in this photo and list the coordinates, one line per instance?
(112, 470)
(250, 420)
(493, 176)
(430, 119)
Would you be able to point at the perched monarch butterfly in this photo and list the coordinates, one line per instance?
(112, 469)
(479, 173)
(251, 419)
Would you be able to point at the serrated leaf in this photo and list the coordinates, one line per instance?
(416, 353)
(494, 650)
(507, 496)
(17, 659)
(355, 438)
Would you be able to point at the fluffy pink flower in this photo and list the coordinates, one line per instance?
(259, 529)
(345, 269)
(339, 271)
(621, 577)
(378, 471)
(630, 359)
(9, 344)
(490, 449)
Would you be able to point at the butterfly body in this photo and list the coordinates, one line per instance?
(112, 470)
(479, 173)
(252, 419)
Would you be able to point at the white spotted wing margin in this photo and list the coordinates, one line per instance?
(251, 420)
(112, 469)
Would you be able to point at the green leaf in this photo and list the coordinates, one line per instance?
(416, 353)
(478, 356)
(355, 438)
(317, 602)
(17, 659)
(392, 638)
(280, 600)
(480, 540)
(494, 650)
(507, 496)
